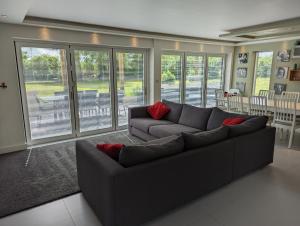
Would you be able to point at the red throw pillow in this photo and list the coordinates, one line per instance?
(111, 150)
(158, 110)
(233, 121)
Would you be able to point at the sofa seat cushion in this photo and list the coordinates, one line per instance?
(144, 124)
(217, 117)
(135, 154)
(194, 116)
(162, 140)
(249, 126)
(175, 111)
(205, 138)
(168, 130)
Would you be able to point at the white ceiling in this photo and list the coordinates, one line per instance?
(199, 18)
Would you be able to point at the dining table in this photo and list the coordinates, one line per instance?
(270, 104)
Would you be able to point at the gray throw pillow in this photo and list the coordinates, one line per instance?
(135, 154)
(205, 138)
(175, 112)
(249, 126)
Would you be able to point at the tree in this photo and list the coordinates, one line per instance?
(264, 66)
(41, 67)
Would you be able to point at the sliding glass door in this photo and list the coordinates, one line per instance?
(194, 79)
(71, 91)
(215, 77)
(93, 88)
(130, 82)
(46, 90)
(191, 78)
(171, 76)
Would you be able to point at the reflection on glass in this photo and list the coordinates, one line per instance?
(93, 89)
(130, 82)
(194, 80)
(47, 91)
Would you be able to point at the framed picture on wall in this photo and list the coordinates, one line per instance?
(240, 86)
(279, 88)
(241, 72)
(243, 58)
(282, 72)
(284, 55)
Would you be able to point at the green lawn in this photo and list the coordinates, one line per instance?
(131, 87)
(209, 82)
(262, 84)
(48, 89)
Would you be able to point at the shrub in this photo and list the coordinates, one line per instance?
(168, 76)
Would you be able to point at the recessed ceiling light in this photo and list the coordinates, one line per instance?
(3, 15)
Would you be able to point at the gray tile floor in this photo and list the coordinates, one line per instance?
(268, 197)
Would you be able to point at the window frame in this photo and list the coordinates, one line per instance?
(255, 68)
(74, 107)
(35, 44)
(73, 48)
(181, 85)
(224, 56)
(184, 55)
(146, 81)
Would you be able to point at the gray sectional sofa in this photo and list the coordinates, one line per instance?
(181, 118)
(130, 196)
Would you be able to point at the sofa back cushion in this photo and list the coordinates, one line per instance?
(175, 111)
(205, 138)
(217, 117)
(248, 126)
(135, 154)
(194, 116)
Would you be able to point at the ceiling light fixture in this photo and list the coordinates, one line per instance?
(4, 16)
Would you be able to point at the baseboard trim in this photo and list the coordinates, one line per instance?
(8, 149)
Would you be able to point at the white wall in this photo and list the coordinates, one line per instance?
(12, 133)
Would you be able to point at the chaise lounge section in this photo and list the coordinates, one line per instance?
(130, 196)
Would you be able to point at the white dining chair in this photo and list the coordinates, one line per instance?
(220, 99)
(291, 96)
(235, 104)
(285, 117)
(258, 105)
(270, 94)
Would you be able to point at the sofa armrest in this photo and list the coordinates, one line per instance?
(96, 173)
(138, 112)
(254, 150)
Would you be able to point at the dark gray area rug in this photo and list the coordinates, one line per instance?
(33, 177)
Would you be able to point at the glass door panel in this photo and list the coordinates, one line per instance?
(45, 79)
(194, 80)
(215, 67)
(263, 71)
(93, 85)
(171, 75)
(130, 74)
